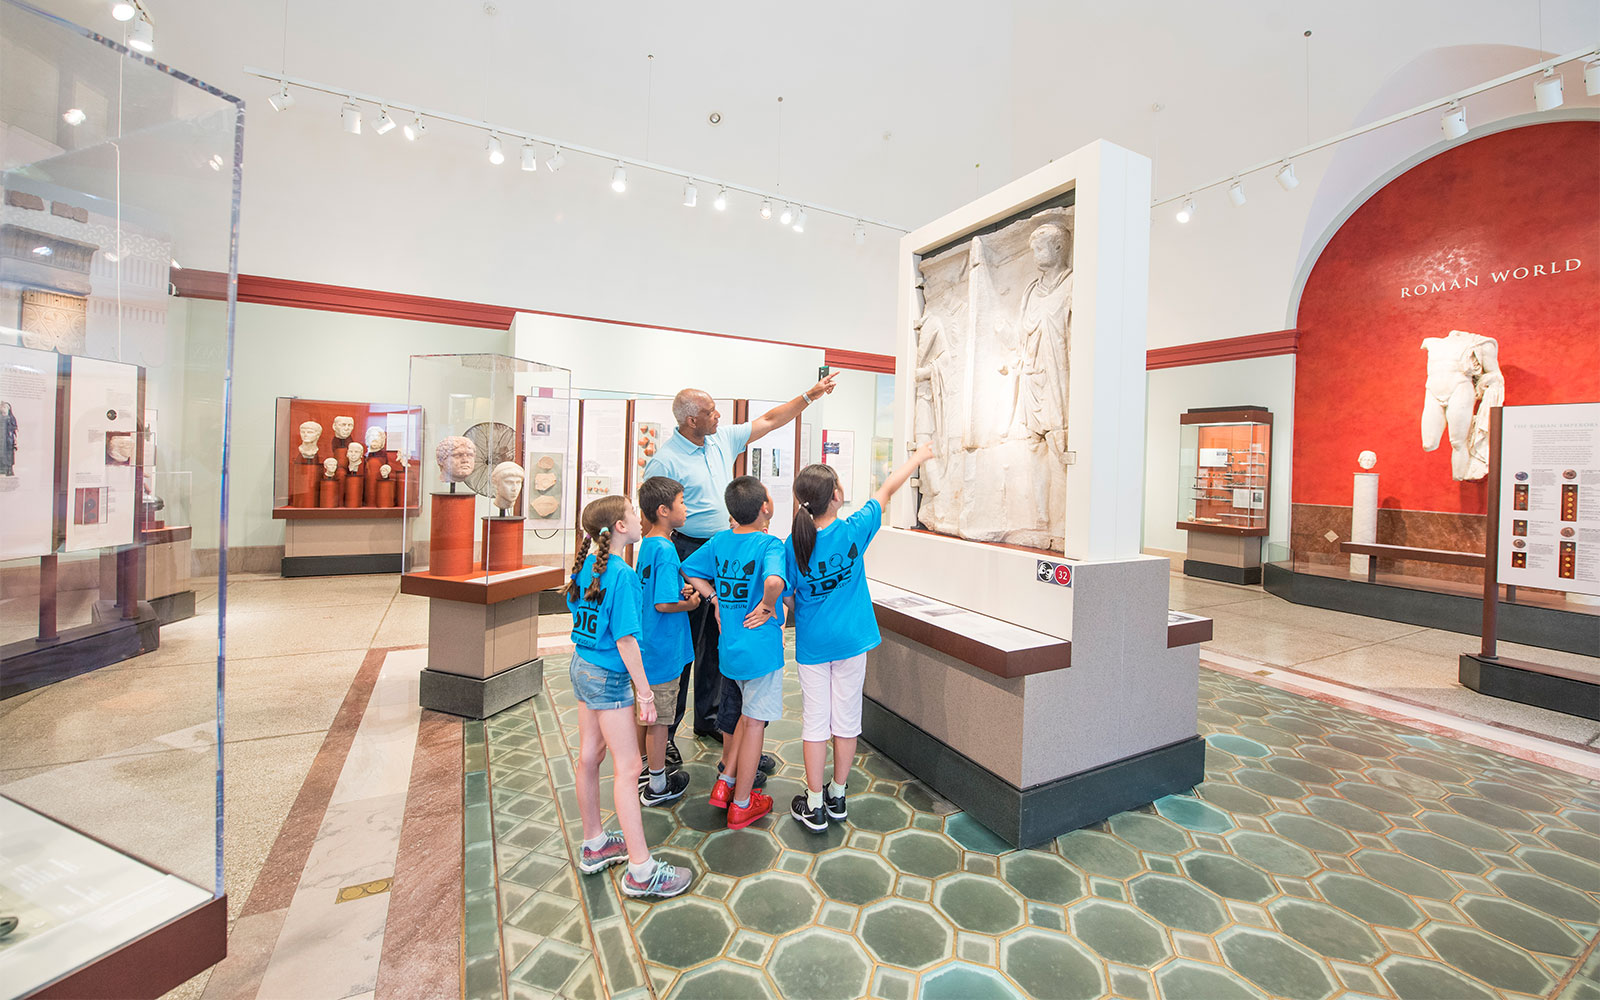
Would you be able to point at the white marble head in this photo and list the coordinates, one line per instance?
(507, 480)
(1051, 245)
(1367, 459)
(456, 457)
(343, 427)
(329, 467)
(377, 439)
(385, 471)
(310, 432)
(355, 452)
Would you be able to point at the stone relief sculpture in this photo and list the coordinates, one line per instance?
(310, 435)
(507, 480)
(991, 383)
(1463, 369)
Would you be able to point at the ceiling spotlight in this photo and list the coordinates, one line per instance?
(530, 157)
(691, 196)
(766, 208)
(1186, 210)
(350, 117)
(282, 100)
(385, 124)
(800, 221)
(497, 154)
(720, 203)
(1454, 121)
(1236, 193)
(74, 116)
(143, 35)
(44, 251)
(557, 160)
(860, 235)
(1591, 77)
(216, 161)
(123, 11)
(619, 178)
(1286, 178)
(787, 215)
(1547, 94)
(415, 130)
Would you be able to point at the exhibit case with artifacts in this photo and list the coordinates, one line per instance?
(466, 543)
(344, 478)
(114, 422)
(1036, 680)
(1224, 466)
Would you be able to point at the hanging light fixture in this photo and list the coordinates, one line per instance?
(557, 160)
(350, 118)
(691, 195)
(384, 125)
(720, 202)
(497, 153)
(800, 221)
(619, 178)
(1286, 178)
(282, 100)
(1236, 193)
(143, 35)
(415, 129)
(766, 208)
(860, 235)
(1547, 95)
(1186, 210)
(1591, 77)
(1454, 121)
(530, 157)
(74, 116)
(786, 216)
(123, 11)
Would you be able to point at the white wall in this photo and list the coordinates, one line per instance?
(317, 355)
(1266, 382)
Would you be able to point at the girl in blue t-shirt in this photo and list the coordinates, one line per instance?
(834, 626)
(605, 598)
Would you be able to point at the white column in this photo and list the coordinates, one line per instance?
(1363, 517)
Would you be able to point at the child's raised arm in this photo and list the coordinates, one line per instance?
(898, 477)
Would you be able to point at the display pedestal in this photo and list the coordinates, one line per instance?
(306, 475)
(339, 541)
(1363, 518)
(385, 493)
(502, 543)
(483, 638)
(327, 494)
(450, 533)
(353, 491)
(1227, 558)
(1039, 695)
(162, 578)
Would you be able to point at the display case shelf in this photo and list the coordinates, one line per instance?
(1226, 462)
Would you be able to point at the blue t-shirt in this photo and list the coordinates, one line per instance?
(666, 644)
(738, 565)
(704, 471)
(597, 625)
(833, 616)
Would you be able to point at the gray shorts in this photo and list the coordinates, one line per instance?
(763, 696)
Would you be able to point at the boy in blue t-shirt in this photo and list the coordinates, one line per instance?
(742, 571)
(666, 646)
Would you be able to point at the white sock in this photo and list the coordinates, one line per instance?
(642, 872)
(813, 799)
(726, 777)
(658, 780)
(835, 790)
(595, 843)
(742, 803)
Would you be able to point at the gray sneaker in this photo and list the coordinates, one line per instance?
(668, 881)
(613, 852)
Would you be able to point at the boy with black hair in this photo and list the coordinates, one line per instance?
(742, 570)
(665, 645)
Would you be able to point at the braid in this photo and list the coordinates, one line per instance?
(594, 593)
(577, 566)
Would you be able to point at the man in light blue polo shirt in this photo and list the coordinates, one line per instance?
(700, 456)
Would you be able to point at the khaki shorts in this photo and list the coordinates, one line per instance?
(666, 703)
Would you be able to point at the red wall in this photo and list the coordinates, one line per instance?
(1525, 197)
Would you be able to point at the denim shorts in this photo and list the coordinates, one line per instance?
(598, 688)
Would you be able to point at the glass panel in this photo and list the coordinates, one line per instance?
(120, 178)
(1222, 475)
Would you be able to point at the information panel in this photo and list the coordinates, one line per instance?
(1550, 497)
(102, 453)
(27, 452)
(771, 459)
(603, 442)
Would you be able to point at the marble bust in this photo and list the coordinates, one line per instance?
(1367, 459)
(385, 471)
(310, 435)
(354, 452)
(456, 457)
(330, 468)
(377, 440)
(507, 480)
(343, 427)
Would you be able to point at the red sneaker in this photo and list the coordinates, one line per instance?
(721, 794)
(760, 805)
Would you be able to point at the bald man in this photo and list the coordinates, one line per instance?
(700, 456)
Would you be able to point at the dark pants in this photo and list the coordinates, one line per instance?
(707, 675)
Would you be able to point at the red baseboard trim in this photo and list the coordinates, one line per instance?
(1259, 345)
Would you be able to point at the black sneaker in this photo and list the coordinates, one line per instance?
(768, 764)
(674, 758)
(761, 777)
(815, 820)
(644, 773)
(677, 784)
(835, 806)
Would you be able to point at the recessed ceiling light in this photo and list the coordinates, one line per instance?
(714, 118)
(74, 116)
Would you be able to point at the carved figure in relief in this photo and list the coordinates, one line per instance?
(456, 457)
(354, 453)
(8, 440)
(310, 434)
(1456, 364)
(507, 480)
(1043, 322)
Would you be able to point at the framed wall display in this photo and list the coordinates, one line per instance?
(544, 436)
(313, 432)
(102, 453)
(774, 459)
(651, 424)
(602, 449)
(1549, 533)
(839, 451)
(27, 452)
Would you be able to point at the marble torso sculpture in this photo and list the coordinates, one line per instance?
(1462, 369)
(343, 427)
(310, 434)
(991, 383)
(456, 457)
(507, 480)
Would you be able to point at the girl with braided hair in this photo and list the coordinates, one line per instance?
(605, 598)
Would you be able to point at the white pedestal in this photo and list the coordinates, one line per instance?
(1363, 518)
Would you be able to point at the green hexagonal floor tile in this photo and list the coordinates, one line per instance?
(1041, 876)
(965, 981)
(774, 902)
(906, 933)
(1051, 965)
(719, 982)
(1487, 958)
(1276, 964)
(920, 852)
(820, 964)
(1229, 877)
(685, 931)
(1180, 903)
(1418, 977)
(738, 853)
(853, 876)
(978, 903)
(1099, 854)
(1372, 902)
(1327, 931)
(1119, 933)
(1185, 978)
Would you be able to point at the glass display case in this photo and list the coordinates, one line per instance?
(119, 180)
(1224, 463)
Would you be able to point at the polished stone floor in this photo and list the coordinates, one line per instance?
(1327, 854)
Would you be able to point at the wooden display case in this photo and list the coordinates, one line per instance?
(1224, 490)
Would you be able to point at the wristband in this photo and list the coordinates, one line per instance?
(646, 695)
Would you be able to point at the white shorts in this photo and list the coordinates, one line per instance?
(832, 693)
